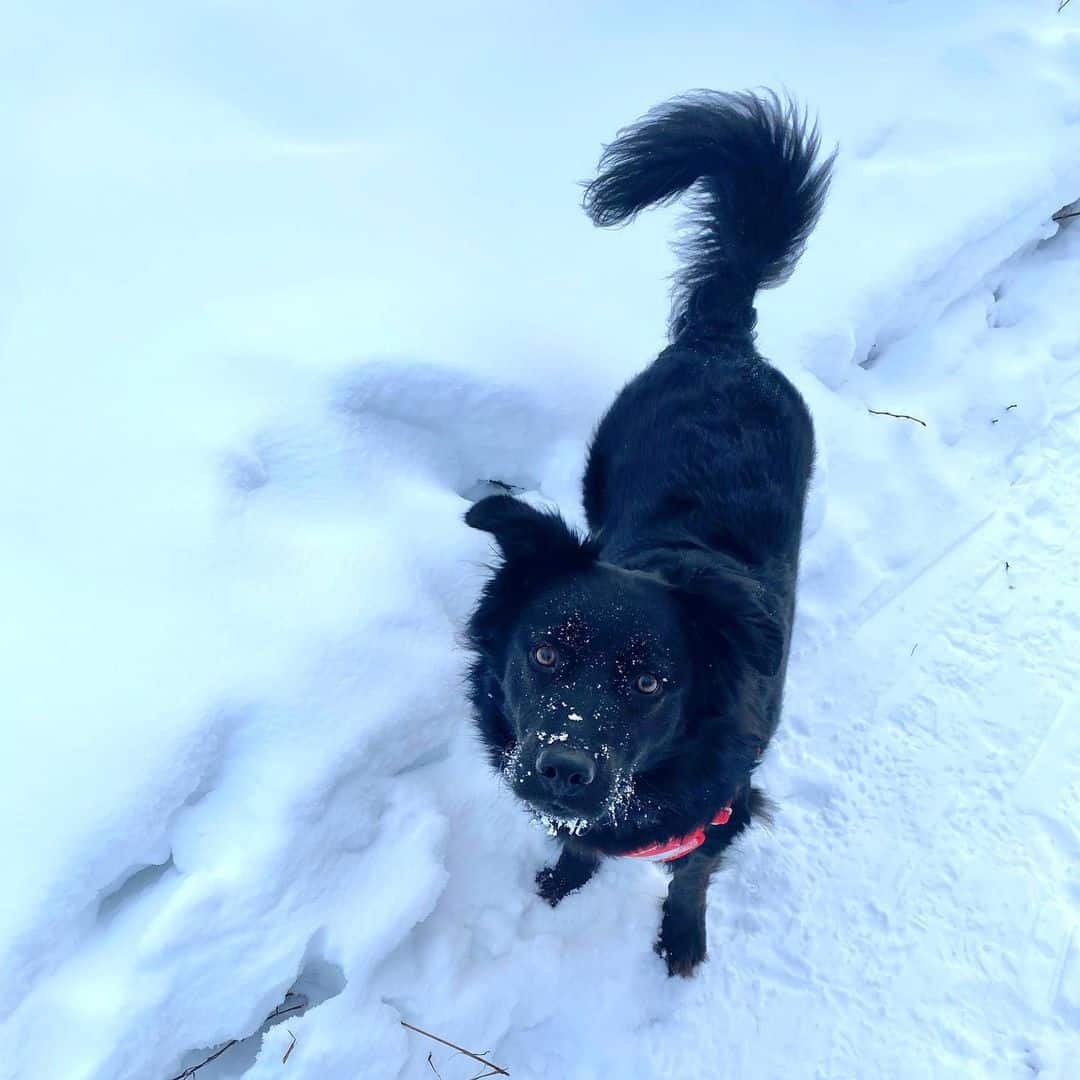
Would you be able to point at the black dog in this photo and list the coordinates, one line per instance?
(627, 683)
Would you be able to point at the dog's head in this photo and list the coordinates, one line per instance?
(595, 675)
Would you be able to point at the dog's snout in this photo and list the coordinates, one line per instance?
(565, 772)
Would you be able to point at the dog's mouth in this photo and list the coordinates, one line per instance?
(563, 813)
(559, 820)
(576, 819)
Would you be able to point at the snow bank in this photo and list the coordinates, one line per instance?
(283, 289)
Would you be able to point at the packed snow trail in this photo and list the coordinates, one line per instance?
(235, 572)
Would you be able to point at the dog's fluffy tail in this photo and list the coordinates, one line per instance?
(759, 195)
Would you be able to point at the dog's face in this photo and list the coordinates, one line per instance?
(601, 671)
(595, 676)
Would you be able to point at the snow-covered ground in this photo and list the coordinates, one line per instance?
(282, 285)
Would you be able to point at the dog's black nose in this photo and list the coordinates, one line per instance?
(565, 772)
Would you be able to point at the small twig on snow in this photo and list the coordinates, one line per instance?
(898, 415)
(281, 1010)
(1061, 5)
(496, 1070)
(191, 1070)
(290, 1050)
(1061, 215)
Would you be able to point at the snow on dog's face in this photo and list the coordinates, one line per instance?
(587, 673)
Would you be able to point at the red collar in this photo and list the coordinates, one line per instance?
(679, 846)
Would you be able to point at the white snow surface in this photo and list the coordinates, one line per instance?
(282, 285)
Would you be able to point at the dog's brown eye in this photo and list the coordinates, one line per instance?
(647, 684)
(545, 656)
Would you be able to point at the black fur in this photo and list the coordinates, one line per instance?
(694, 493)
(759, 194)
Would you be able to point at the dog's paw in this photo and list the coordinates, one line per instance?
(681, 944)
(552, 886)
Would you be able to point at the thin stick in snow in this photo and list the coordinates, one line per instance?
(496, 1070)
(281, 1010)
(191, 1070)
(898, 415)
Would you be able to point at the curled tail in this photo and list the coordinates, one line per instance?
(759, 194)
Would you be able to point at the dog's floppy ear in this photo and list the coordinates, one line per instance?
(524, 533)
(725, 599)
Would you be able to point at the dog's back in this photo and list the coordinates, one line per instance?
(710, 445)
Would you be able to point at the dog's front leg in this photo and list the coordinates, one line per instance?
(574, 868)
(682, 929)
